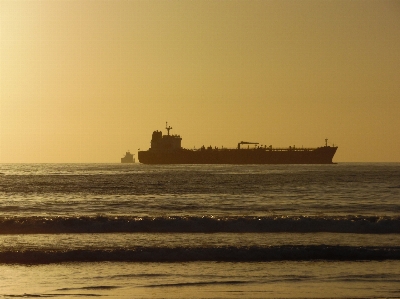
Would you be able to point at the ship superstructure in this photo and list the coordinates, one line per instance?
(165, 143)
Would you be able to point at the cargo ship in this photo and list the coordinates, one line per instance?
(167, 149)
(128, 158)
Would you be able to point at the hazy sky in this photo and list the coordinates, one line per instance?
(84, 81)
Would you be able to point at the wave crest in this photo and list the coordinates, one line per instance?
(188, 254)
(205, 224)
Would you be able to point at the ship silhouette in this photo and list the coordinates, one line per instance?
(128, 158)
(167, 149)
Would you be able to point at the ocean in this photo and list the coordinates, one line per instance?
(200, 231)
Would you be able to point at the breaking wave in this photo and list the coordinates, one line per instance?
(219, 254)
(204, 224)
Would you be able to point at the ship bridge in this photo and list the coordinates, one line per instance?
(165, 142)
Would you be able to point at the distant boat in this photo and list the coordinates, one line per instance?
(128, 158)
(166, 149)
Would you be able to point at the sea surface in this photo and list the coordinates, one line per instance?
(200, 231)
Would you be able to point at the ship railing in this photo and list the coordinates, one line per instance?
(300, 149)
(273, 149)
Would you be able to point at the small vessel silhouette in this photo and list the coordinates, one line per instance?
(128, 158)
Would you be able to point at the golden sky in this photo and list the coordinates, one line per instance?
(85, 81)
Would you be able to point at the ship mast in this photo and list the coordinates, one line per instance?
(168, 128)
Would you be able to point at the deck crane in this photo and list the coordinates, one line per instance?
(245, 142)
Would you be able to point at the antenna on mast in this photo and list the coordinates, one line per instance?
(168, 128)
(326, 142)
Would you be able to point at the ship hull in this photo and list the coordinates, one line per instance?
(127, 160)
(321, 155)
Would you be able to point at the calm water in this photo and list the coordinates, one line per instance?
(214, 231)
